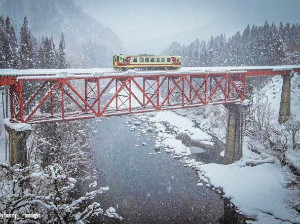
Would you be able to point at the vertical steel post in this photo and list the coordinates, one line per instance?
(117, 94)
(205, 90)
(20, 91)
(11, 96)
(98, 95)
(51, 101)
(228, 88)
(158, 93)
(169, 90)
(190, 93)
(130, 95)
(62, 101)
(6, 101)
(182, 92)
(144, 89)
(227, 93)
(244, 85)
(85, 94)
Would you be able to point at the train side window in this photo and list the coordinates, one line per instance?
(146, 59)
(141, 59)
(157, 59)
(162, 59)
(152, 59)
(168, 59)
(134, 59)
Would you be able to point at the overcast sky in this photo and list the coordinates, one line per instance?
(140, 24)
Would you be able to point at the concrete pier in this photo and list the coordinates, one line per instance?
(285, 103)
(18, 134)
(234, 135)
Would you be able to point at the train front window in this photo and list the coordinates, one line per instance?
(162, 59)
(117, 58)
(178, 59)
(141, 59)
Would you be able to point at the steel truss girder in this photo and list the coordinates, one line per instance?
(61, 99)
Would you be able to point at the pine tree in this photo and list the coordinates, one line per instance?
(12, 48)
(61, 53)
(41, 63)
(26, 47)
(2, 40)
(52, 54)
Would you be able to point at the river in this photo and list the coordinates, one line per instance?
(150, 187)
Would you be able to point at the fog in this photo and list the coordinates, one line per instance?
(149, 26)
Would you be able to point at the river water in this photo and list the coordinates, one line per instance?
(145, 187)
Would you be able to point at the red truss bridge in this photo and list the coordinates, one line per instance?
(37, 96)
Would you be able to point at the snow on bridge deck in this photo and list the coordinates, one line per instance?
(98, 72)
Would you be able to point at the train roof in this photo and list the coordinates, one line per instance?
(146, 55)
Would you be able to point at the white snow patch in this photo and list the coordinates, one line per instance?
(254, 190)
(17, 126)
(181, 124)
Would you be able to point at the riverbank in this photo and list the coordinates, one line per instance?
(257, 184)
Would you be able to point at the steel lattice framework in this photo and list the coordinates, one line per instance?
(81, 96)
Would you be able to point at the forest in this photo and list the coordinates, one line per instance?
(268, 44)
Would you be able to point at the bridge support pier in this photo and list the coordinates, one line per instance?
(18, 134)
(234, 136)
(285, 103)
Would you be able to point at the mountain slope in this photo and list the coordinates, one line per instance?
(51, 18)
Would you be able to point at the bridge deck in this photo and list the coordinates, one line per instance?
(113, 72)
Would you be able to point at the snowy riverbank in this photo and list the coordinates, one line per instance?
(258, 185)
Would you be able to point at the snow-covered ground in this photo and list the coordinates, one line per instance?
(257, 184)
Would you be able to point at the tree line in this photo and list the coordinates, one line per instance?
(28, 52)
(268, 44)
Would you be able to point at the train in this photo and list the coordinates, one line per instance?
(148, 62)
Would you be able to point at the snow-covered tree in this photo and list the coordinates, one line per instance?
(12, 49)
(26, 47)
(61, 53)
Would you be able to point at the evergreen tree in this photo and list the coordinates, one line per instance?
(2, 40)
(61, 53)
(12, 45)
(26, 53)
(258, 45)
(53, 61)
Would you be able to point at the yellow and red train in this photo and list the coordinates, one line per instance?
(125, 62)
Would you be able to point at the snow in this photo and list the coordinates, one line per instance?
(17, 126)
(222, 153)
(110, 72)
(182, 125)
(293, 157)
(254, 190)
(112, 213)
(174, 145)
